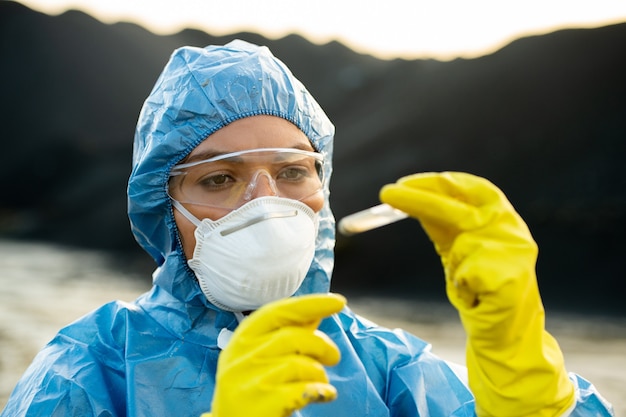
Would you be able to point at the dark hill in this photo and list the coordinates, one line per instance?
(544, 118)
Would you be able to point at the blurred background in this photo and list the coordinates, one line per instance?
(527, 94)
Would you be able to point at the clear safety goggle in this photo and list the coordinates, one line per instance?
(231, 180)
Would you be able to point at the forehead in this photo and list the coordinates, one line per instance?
(251, 133)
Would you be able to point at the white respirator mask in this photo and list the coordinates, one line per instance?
(258, 253)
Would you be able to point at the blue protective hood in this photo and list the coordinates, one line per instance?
(200, 91)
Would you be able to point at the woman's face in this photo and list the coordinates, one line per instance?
(248, 133)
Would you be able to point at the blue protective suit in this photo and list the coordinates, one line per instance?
(157, 356)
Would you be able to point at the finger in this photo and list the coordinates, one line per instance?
(319, 393)
(292, 368)
(305, 311)
(471, 189)
(299, 395)
(428, 206)
(438, 201)
(300, 341)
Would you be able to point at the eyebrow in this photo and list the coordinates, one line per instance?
(202, 156)
(211, 153)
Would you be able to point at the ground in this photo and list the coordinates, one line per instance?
(45, 289)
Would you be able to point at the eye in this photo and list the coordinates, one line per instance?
(216, 181)
(294, 173)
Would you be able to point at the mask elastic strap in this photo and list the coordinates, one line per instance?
(193, 219)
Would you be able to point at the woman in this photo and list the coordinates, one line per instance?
(229, 195)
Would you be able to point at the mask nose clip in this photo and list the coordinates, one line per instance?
(254, 182)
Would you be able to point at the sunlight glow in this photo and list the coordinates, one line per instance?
(442, 29)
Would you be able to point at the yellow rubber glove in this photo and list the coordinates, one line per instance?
(273, 364)
(515, 367)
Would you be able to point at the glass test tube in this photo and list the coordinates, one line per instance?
(369, 219)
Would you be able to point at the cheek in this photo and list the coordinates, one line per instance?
(316, 202)
(186, 231)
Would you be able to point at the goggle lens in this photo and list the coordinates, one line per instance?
(230, 180)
